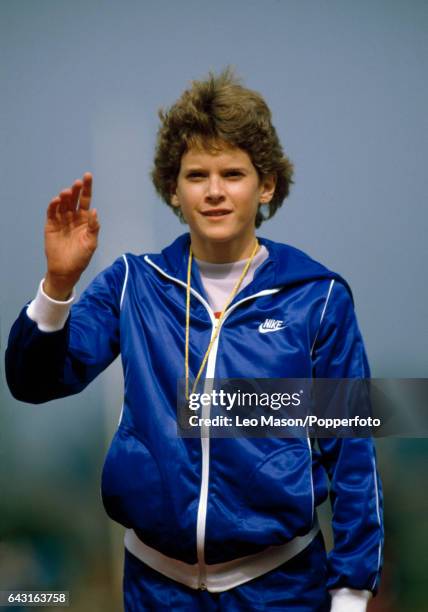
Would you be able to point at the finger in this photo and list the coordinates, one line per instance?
(86, 193)
(75, 192)
(87, 180)
(65, 193)
(52, 209)
(65, 201)
(93, 223)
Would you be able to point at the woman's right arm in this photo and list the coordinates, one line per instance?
(52, 353)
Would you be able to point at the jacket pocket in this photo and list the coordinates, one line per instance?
(131, 484)
(280, 487)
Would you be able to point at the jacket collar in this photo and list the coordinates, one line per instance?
(286, 266)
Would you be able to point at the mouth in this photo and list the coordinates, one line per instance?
(217, 213)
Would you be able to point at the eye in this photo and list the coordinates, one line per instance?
(195, 175)
(234, 173)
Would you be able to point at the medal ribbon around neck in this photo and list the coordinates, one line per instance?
(219, 320)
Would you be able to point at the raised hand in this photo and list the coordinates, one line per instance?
(71, 237)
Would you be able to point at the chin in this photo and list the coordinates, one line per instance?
(219, 236)
(215, 232)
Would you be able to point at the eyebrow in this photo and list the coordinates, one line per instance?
(202, 169)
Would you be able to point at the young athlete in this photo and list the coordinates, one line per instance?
(211, 523)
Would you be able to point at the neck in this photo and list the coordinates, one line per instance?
(223, 252)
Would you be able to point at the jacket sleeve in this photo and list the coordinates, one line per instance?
(45, 365)
(355, 489)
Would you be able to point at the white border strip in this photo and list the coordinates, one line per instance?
(378, 520)
(322, 314)
(183, 284)
(308, 439)
(219, 576)
(125, 280)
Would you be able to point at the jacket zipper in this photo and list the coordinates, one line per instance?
(205, 440)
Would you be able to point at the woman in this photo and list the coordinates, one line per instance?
(212, 523)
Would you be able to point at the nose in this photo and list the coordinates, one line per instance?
(215, 191)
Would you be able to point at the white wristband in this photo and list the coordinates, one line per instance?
(349, 600)
(49, 314)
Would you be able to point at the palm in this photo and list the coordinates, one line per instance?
(68, 243)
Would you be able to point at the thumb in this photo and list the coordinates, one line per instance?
(93, 223)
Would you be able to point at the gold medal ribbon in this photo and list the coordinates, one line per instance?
(219, 320)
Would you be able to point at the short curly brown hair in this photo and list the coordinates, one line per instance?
(215, 111)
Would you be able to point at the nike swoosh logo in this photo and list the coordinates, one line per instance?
(264, 330)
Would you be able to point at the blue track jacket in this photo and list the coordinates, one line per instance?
(228, 497)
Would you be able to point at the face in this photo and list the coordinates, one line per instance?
(219, 195)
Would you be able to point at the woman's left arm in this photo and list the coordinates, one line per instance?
(355, 489)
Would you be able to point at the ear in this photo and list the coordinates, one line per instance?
(267, 185)
(174, 198)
